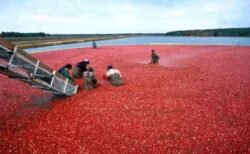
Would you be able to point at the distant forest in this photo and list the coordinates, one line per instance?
(17, 34)
(42, 34)
(241, 32)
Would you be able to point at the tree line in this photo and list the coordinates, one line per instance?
(18, 34)
(241, 32)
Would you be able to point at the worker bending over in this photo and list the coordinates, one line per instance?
(154, 57)
(89, 79)
(80, 68)
(65, 71)
(114, 76)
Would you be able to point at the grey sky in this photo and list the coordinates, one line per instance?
(121, 16)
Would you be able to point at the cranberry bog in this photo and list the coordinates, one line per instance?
(195, 101)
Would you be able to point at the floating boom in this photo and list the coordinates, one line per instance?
(18, 64)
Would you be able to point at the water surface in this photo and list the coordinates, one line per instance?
(152, 40)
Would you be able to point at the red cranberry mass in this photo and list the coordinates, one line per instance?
(196, 100)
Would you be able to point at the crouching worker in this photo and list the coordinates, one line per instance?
(65, 71)
(89, 79)
(154, 57)
(114, 76)
(80, 68)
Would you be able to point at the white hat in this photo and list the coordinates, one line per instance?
(86, 61)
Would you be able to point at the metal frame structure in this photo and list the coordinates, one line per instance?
(17, 64)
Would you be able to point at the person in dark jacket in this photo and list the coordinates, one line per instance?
(89, 79)
(80, 68)
(65, 71)
(114, 76)
(154, 57)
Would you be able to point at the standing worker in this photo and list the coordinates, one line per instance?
(80, 68)
(94, 44)
(114, 76)
(154, 57)
(65, 71)
(89, 79)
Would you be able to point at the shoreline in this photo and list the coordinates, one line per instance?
(72, 42)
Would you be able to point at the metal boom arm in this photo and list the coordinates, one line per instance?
(16, 63)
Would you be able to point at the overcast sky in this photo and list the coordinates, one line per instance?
(121, 16)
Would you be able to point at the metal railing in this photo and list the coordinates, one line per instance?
(17, 64)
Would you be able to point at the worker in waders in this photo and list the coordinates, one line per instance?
(94, 44)
(89, 79)
(154, 57)
(80, 68)
(114, 76)
(65, 71)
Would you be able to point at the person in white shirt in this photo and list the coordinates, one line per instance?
(114, 76)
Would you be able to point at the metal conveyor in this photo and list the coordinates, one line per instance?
(17, 64)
